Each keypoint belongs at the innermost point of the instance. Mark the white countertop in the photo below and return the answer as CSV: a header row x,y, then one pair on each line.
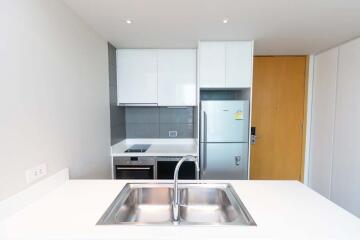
x,y
281,209
159,147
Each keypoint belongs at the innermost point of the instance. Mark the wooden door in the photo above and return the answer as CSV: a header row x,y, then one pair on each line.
x,y
278,115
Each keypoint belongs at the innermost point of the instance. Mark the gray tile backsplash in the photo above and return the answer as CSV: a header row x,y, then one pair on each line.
x,y
142,130
176,115
156,122
183,130
142,115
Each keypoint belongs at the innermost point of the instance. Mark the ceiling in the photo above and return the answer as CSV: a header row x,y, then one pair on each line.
x,y
279,27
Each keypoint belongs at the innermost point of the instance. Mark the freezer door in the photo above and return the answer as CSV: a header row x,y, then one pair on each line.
x,y
224,160
224,121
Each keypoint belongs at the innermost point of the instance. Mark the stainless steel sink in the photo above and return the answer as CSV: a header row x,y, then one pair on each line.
x,y
199,204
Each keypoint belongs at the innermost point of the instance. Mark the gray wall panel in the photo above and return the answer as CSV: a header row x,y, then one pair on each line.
x,y
117,114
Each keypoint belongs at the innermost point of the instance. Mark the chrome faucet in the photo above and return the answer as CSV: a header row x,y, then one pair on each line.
x,y
176,198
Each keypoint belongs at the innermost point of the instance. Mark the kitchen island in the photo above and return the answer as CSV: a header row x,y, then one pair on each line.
x,y
281,210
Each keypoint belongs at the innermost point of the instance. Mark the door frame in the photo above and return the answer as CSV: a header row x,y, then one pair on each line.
x,y
309,80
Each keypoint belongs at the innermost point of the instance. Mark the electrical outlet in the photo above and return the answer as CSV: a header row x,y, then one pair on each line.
x,y
35,173
173,134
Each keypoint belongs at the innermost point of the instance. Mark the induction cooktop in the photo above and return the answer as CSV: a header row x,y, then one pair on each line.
x,y
138,148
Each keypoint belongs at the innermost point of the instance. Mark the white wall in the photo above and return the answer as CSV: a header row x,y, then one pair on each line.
x,y
54,100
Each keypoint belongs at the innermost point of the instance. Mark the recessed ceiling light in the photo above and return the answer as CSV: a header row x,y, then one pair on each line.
x,y
225,20
128,21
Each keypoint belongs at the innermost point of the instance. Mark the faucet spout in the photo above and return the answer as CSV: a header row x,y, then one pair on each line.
x,y
176,198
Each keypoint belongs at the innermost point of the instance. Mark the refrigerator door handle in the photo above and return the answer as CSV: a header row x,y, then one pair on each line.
x,y
237,160
205,141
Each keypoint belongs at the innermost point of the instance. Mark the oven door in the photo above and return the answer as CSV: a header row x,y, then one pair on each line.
x,y
134,172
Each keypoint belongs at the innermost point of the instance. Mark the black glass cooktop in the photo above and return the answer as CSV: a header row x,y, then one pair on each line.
x,y
138,148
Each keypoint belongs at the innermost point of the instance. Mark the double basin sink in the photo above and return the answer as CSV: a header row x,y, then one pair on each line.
x,y
200,204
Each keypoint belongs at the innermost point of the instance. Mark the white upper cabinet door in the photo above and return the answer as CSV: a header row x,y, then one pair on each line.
x,y
137,76
212,64
226,64
177,77
239,64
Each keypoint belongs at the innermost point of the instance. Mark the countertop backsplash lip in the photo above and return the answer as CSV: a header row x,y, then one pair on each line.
x,y
24,198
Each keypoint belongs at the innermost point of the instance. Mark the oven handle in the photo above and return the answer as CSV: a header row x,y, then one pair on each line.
x,y
133,168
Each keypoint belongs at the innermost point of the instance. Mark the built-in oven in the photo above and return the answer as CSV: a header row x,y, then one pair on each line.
x,y
134,167
134,172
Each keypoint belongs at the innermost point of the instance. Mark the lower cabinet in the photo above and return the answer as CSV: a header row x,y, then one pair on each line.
x,y
151,167
165,170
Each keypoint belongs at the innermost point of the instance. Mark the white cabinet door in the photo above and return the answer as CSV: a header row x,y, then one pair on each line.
x,y
137,76
212,64
226,64
323,120
345,184
239,61
177,77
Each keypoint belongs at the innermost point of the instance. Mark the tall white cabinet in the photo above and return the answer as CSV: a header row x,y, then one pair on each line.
x,y
335,131
323,121
345,181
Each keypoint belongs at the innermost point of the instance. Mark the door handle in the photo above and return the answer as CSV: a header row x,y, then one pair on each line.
x,y
237,160
253,135
205,127
205,143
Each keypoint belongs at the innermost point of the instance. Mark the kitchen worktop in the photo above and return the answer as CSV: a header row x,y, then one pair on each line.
x,y
281,210
159,147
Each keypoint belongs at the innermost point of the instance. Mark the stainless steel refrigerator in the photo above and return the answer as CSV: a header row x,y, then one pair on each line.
x,y
224,139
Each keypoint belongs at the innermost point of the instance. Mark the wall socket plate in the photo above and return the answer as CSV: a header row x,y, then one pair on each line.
x,y
33,174
173,134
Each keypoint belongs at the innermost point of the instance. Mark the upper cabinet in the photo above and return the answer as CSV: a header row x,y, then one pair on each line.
x,y
225,64
165,77
239,61
177,77
212,67
137,76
